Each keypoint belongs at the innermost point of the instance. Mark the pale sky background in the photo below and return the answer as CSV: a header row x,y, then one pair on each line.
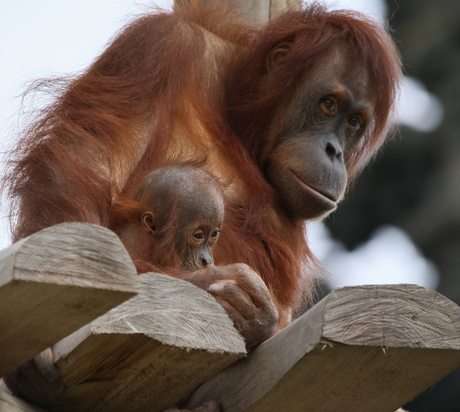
x,y
51,37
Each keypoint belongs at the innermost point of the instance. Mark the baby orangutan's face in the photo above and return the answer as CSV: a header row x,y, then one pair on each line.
x,y
197,252
185,213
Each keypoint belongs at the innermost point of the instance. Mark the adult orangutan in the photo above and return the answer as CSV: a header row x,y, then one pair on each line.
x,y
284,117
172,221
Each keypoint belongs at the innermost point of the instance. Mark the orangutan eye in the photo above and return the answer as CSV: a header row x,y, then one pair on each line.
x,y
198,235
354,122
215,234
328,106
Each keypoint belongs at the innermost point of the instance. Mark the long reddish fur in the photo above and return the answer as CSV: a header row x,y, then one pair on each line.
x,y
115,123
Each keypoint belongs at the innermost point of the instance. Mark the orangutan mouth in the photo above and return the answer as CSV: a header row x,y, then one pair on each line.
x,y
324,199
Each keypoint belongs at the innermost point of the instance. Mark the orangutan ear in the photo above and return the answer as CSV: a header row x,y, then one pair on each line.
x,y
148,223
276,55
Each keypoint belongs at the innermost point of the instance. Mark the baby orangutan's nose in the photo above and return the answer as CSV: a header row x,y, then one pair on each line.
x,y
206,259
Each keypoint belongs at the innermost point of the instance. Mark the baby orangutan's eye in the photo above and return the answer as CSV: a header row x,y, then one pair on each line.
x,y
215,234
198,235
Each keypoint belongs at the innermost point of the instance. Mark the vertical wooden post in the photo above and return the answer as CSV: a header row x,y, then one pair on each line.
x,y
256,12
278,6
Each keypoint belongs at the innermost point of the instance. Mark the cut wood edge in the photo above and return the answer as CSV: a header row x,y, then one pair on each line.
x,y
176,313
54,282
71,254
327,324
153,349
173,312
400,315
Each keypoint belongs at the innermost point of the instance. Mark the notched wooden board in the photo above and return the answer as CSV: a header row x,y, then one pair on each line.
x,y
361,348
54,282
147,353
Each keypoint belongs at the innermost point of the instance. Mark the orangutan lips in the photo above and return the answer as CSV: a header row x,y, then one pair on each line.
x,y
325,200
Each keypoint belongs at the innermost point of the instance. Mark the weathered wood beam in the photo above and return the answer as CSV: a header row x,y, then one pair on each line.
x,y
10,403
56,281
366,348
147,353
278,6
255,12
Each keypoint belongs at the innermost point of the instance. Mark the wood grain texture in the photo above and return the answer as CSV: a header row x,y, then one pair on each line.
x,y
278,6
9,403
361,348
147,353
392,316
54,282
255,12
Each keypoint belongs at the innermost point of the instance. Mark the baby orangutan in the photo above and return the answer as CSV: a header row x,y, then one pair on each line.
x,y
169,224
173,221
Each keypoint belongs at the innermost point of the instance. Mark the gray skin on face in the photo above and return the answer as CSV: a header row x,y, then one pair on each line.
x,y
199,207
325,122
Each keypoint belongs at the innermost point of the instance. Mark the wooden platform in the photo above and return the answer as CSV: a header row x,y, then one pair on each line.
x,y
367,348
56,281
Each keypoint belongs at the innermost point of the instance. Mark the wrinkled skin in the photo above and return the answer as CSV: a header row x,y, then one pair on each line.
x,y
324,123
245,297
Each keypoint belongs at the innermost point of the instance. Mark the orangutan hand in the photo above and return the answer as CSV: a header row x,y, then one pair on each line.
x,y
245,297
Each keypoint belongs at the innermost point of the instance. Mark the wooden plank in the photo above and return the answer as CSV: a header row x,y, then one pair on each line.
x,y
147,353
9,403
254,12
367,348
54,282
278,6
